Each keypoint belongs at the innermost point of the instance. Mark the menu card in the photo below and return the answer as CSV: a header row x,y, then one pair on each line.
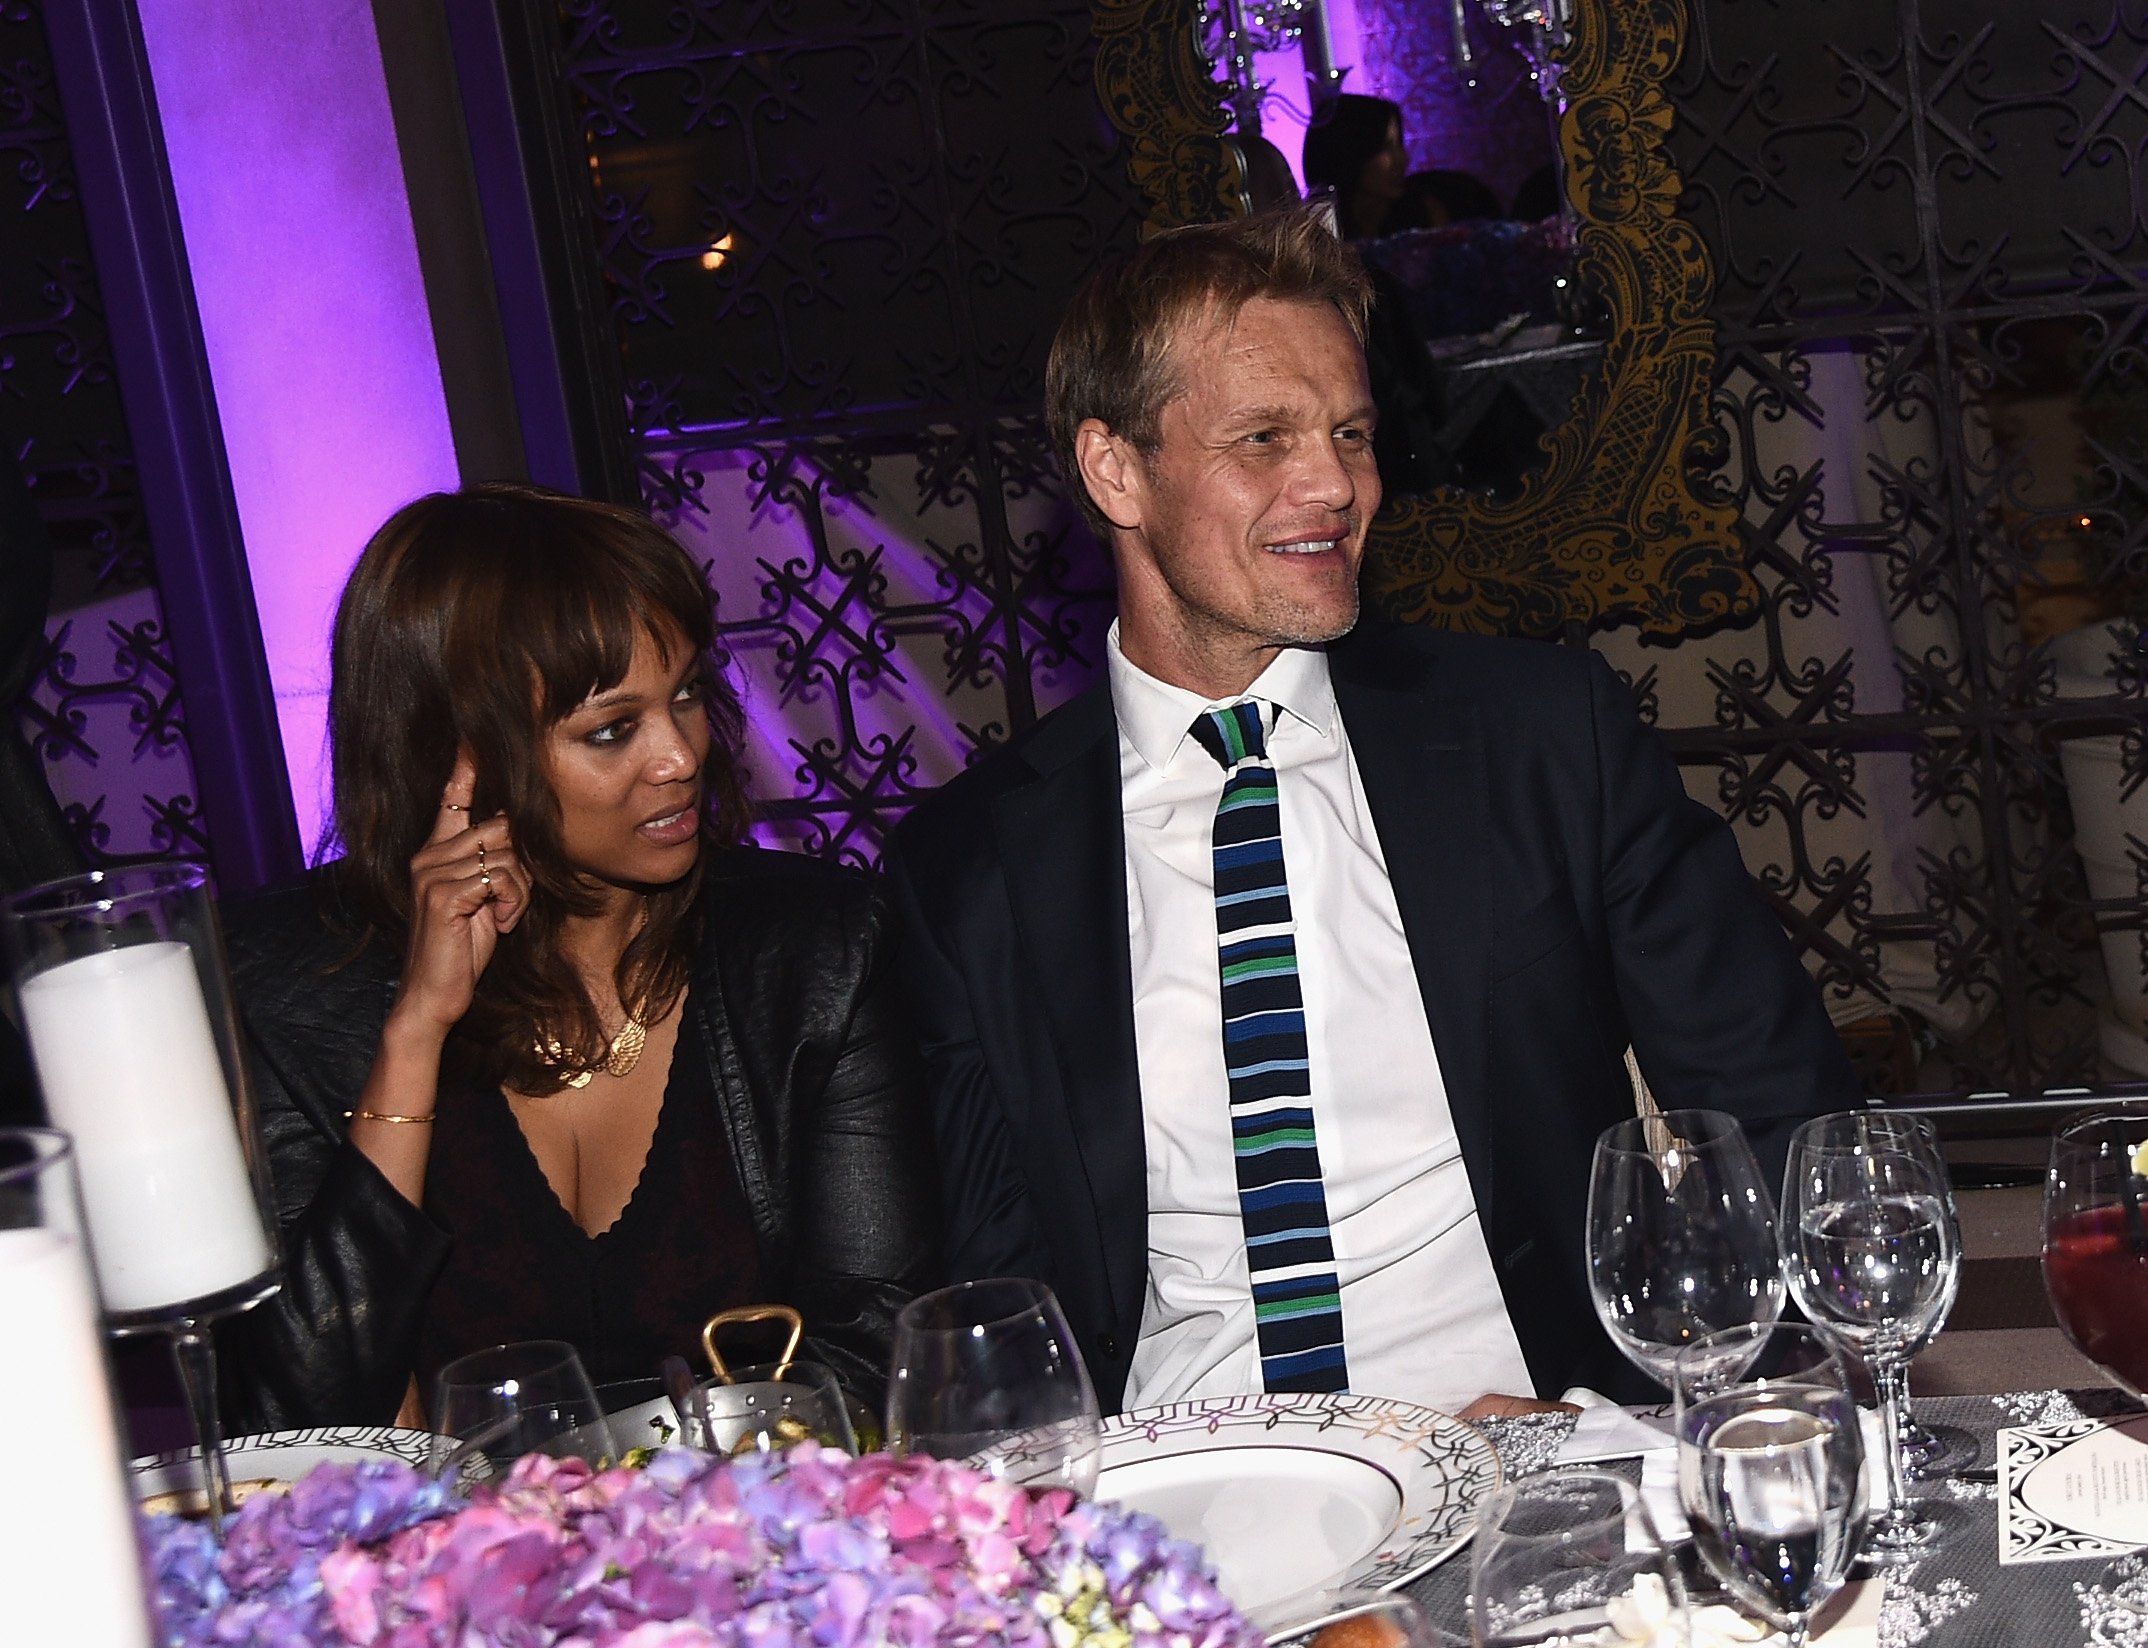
x,y
2078,1488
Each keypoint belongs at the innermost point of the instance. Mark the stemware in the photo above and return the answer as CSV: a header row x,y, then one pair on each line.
x,y
1770,1465
1565,1554
2095,1241
493,1406
1873,1250
1681,1235
126,1002
1932,1451
988,1372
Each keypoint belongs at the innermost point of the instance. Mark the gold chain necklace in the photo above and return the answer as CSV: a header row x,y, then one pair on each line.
x,y
620,1055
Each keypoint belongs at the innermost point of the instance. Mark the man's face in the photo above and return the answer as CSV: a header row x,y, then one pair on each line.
x,y
1242,533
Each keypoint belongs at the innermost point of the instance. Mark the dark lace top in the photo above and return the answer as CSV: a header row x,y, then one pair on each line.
x,y
521,1268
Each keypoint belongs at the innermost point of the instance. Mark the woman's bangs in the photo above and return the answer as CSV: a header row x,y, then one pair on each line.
x,y
600,599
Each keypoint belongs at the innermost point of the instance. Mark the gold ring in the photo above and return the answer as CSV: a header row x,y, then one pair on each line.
x,y
453,807
484,875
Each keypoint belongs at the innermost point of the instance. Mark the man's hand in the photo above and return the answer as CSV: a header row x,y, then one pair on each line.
x,y
1494,1405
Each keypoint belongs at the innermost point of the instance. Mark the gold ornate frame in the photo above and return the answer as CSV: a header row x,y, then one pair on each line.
x,y
1610,528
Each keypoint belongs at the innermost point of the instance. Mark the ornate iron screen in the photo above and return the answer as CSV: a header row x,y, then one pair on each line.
x,y
836,238
1927,227
105,715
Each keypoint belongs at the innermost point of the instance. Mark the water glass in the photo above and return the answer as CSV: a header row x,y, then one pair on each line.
x,y
493,1406
988,1372
1873,1250
1566,1554
1770,1467
1681,1235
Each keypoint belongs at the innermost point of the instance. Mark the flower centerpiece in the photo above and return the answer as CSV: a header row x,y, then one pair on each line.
x,y
807,1547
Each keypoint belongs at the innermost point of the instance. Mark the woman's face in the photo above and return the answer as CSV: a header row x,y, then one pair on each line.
x,y
626,767
1384,173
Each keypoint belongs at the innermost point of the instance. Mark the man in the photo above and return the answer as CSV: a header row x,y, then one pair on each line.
x,y
1274,992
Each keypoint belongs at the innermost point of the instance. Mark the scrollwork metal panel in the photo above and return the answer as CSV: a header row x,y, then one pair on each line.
x,y
105,714
837,237
1932,422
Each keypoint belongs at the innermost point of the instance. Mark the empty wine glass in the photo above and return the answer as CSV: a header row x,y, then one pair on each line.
x,y
1565,1554
1872,1249
2096,1264
1770,1468
1681,1235
988,1372
493,1406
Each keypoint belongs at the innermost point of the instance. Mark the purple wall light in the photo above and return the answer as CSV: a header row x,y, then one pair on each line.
x,y
297,224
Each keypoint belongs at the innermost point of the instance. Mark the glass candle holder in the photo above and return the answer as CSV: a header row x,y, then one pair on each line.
x,y
127,1005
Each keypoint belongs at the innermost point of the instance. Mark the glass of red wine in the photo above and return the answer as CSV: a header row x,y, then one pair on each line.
x,y
2096,1258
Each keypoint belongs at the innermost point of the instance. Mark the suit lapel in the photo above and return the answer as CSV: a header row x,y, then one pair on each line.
x,y
1062,839
1421,756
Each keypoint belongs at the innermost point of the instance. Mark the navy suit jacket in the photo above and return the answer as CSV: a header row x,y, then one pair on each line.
x,y
1562,898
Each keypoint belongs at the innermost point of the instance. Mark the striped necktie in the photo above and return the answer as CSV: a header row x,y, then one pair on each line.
x,y
1297,1297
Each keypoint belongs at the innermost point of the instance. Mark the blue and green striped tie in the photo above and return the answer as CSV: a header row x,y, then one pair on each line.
x,y
1297,1297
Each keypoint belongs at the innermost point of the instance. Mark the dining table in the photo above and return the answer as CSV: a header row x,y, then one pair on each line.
x,y
1955,1596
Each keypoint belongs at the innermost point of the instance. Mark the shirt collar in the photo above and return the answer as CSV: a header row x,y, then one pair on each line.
x,y
1155,716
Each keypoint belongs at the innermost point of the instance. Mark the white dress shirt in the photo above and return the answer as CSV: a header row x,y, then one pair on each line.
x,y
1422,1313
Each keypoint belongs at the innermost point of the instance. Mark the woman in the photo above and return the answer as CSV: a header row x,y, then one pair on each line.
x,y
545,1053
1355,148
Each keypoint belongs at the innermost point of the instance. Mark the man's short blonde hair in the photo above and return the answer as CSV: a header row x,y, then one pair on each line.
x,y
1112,357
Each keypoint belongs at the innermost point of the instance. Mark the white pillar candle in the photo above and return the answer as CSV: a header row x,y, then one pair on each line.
x,y
67,1542
129,1067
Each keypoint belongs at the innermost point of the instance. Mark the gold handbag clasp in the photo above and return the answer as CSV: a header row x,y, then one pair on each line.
x,y
741,1314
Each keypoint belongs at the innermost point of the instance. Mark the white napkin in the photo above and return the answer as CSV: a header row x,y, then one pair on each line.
x,y
1849,1620
1612,1433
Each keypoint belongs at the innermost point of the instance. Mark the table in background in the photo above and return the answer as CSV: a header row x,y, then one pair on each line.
x,y
1956,1597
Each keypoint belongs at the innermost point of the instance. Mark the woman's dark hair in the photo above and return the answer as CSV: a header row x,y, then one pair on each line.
x,y
475,620
1342,138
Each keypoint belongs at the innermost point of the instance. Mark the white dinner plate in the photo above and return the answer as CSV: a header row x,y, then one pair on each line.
x,y
1295,1495
280,1456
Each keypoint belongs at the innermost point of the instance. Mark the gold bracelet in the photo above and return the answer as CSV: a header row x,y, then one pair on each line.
x,y
384,1116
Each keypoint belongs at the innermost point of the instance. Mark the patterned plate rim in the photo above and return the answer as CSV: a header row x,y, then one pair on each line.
x,y
411,1446
1433,1447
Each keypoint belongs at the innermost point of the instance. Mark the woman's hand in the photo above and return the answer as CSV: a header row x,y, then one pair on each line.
x,y
466,888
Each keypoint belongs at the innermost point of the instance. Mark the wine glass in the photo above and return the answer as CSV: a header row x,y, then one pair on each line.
x,y
493,1406
988,1372
1931,1452
1565,1554
1872,1249
2096,1261
1770,1467
768,1407
1681,1235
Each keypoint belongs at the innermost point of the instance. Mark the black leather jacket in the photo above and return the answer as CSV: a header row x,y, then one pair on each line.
x,y
790,1003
